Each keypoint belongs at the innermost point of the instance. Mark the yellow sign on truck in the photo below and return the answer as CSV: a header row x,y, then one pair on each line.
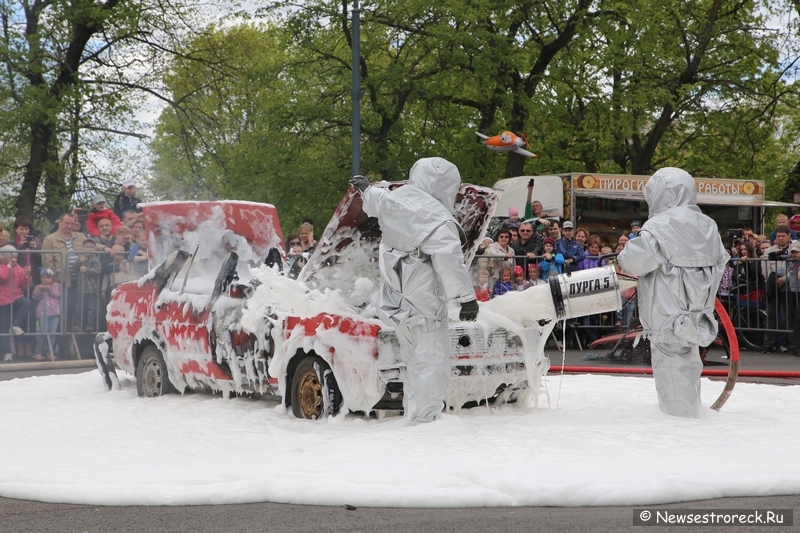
x,y
606,204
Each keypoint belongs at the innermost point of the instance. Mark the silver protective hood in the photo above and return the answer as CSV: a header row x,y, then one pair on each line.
x,y
686,236
438,177
670,187
408,215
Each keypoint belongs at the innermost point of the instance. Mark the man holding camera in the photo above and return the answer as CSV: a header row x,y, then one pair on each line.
x,y
775,274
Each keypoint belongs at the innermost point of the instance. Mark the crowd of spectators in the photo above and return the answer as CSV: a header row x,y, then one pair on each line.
x,y
524,252
300,246
55,287
763,274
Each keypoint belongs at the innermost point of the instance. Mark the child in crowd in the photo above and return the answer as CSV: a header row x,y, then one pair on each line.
x,y
483,291
123,237
534,276
551,263
137,258
89,270
504,285
48,310
519,279
98,212
636,226
513,220
606,250
121,259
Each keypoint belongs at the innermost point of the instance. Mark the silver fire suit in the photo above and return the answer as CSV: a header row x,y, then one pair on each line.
x,y
422,266
679,258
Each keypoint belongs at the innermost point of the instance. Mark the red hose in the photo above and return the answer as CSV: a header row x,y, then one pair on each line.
x,y
714,372
729,339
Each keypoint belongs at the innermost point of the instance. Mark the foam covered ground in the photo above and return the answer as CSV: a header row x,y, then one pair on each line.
x,y
64,439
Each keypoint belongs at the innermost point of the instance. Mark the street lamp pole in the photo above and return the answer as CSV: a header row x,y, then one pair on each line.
x,y
355,91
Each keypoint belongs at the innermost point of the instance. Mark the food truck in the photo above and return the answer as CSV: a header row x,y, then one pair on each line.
x,y
606,204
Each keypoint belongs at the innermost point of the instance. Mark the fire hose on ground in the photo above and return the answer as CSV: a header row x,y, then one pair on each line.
x,y
733,372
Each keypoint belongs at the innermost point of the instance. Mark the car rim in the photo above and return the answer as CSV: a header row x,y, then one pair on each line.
x,y
152,379
310,395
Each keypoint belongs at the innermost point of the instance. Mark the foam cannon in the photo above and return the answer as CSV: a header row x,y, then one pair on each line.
x,y
582,293
531,314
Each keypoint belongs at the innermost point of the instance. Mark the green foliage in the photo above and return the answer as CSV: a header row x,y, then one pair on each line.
x,y
73,76
621,86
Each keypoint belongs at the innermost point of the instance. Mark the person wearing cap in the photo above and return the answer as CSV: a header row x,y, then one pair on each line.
x,y
570,249
679,258
552,262
513,220
99,211
534,275
793,284
636,227
126,199
519,279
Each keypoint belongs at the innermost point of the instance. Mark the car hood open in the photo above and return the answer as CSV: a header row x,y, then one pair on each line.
x,y
346,256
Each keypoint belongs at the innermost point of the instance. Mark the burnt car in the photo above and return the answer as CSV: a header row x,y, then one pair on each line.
x,y
213,316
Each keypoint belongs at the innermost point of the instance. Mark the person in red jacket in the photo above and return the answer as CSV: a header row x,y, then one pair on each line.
x,y
99,210
14,306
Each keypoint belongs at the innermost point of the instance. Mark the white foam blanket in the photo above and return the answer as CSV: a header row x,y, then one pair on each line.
x,y
602,441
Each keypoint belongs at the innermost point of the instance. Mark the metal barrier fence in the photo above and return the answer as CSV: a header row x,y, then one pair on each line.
x,y
762,309
581,331
762,297
79,294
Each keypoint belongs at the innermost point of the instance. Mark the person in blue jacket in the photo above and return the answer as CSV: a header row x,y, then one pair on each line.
x,y
570,249
551,262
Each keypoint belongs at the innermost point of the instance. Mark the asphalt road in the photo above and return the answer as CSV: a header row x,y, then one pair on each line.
x,y
31,516
27,516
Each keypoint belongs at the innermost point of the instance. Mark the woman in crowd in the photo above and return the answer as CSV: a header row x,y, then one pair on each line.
x,y
25,241
14,306
593,246
500,247
726,284
307,242
138,225
581,237
747,276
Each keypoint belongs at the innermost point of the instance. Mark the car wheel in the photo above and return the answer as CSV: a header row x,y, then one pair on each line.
x,y
151,374
315,393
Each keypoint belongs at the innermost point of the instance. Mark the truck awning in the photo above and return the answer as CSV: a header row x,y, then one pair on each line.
x,y
749,201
